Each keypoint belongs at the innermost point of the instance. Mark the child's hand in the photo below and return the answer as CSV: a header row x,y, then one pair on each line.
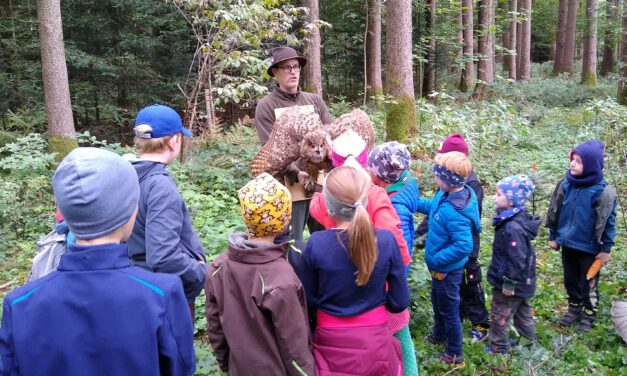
x,y
553,244
507,292
604,257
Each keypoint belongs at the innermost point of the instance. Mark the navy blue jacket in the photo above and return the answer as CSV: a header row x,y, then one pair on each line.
x,y
163,239
328,276
513,256
452,220
577,219
97,315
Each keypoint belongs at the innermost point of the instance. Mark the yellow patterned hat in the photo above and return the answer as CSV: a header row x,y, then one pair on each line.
x,y
266,206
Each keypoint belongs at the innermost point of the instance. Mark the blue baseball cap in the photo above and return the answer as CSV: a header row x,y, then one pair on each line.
x,y
163,120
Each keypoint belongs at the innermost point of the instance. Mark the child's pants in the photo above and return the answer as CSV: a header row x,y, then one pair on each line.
x,y
447,324
580,291
504,308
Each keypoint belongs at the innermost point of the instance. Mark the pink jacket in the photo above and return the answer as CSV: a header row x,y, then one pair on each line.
x,y
380,209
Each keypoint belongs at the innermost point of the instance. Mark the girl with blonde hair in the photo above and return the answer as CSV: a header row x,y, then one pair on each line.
x,y
345,272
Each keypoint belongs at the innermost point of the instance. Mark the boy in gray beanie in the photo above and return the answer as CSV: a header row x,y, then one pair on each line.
x,y
96,305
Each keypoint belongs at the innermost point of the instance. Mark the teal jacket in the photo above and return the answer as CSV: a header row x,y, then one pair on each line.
x,y
452,220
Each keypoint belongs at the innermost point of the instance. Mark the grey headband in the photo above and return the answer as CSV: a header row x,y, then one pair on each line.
x,y
337,208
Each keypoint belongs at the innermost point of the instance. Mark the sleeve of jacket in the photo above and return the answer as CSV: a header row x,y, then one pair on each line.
x,y
215,332
323,111
460,244
609,232
404,215
8,366
176,337
398,291
291,328
424,205
517,253
164,251
309,275
384,216
478,189
553,214
264,120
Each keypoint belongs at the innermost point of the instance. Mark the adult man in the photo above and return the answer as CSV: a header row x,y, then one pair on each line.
x,y
285,66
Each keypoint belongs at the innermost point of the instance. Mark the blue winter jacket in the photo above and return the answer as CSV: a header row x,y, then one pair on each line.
x,y
163,239
97,315
577,219
404,196
452,219
513,257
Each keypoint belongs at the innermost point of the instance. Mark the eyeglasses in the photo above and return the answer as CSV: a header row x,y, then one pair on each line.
x,y
288,69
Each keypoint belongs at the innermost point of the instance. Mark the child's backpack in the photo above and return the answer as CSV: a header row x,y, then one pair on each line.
x,y
49,251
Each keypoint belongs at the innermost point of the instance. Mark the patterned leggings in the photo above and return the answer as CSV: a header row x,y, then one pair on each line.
x,y
410,366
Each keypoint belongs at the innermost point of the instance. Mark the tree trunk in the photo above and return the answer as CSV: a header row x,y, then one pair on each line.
x,y
589,65
607,65
568,60
560,37
509,60
468,72
429,83
312,72
459,42
374,83
401,112
485,66
61,138
524,52
622,75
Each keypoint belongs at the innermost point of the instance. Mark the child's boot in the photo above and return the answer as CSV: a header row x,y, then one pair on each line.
x,y
587,320
572,316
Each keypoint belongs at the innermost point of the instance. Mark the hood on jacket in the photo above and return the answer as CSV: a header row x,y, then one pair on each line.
x,y
461,202
244,250
591,153
529,223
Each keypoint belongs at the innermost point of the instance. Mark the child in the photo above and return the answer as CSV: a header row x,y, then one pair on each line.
x,y
97,314
163,239
453,216
472,298
256,308
512,271
581,221
387,165
345,272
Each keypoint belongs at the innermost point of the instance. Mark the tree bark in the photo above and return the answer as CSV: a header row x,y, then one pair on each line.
x,y
524,51
622,76
509,60
560,37
459,42
568,60
485,65
589,65
468,72
401,112
607,65
312,72
61,138
429,82
374,83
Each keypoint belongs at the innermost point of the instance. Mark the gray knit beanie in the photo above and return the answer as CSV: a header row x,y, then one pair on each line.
x,y
96,191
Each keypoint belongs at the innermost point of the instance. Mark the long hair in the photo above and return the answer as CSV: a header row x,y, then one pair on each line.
x,y
348,185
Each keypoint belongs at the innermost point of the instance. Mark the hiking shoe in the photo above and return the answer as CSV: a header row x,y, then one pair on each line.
x,y
586,323
452,360
488,349
478,333
434,341
572,316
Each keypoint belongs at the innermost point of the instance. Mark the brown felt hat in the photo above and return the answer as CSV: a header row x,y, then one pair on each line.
x,y
283,53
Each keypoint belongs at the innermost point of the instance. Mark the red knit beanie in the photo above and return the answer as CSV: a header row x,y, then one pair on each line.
x,y
454,142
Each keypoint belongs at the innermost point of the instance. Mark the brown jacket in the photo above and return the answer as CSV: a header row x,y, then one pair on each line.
x,y
264,113
256,311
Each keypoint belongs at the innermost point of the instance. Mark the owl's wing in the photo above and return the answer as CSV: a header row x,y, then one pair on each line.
x,y
358,121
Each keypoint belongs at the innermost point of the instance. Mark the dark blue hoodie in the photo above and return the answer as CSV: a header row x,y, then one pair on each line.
x,y
577,224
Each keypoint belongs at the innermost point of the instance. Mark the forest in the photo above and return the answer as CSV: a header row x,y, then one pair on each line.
x,y
523,81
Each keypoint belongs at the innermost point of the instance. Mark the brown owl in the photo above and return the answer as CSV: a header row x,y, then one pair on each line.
x,y
356,120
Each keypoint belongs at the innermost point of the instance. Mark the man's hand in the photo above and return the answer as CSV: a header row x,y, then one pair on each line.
x,y
553,244
302,177
604,257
